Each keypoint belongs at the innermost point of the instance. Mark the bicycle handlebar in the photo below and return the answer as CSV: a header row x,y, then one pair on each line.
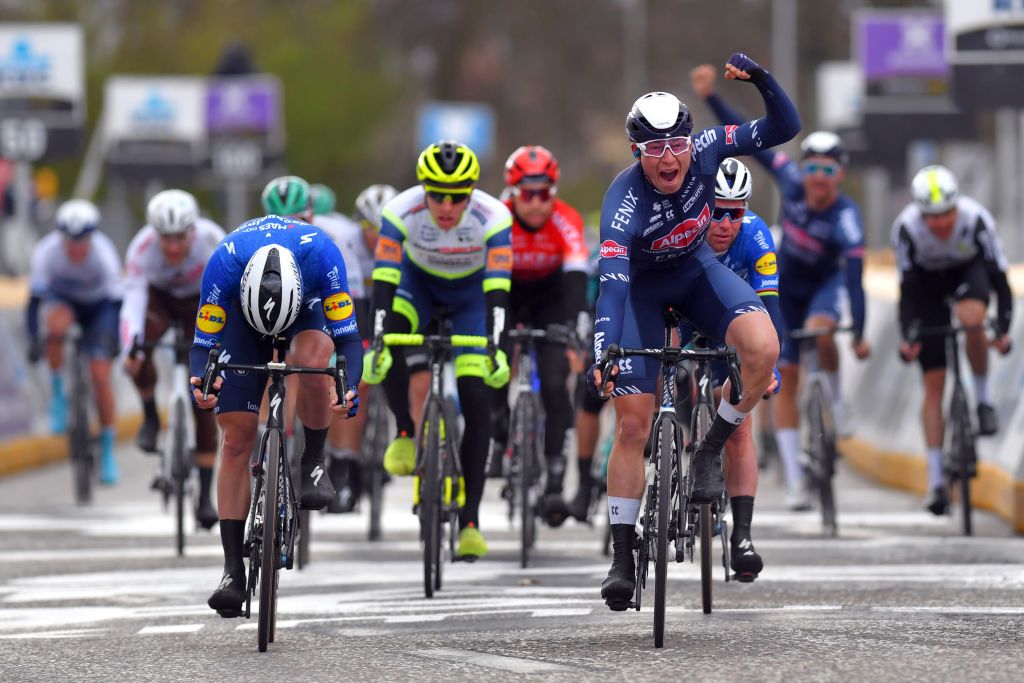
x,y
672,355
338,372
455,340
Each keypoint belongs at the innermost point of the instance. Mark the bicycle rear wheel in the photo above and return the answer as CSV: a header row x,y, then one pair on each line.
x,y
268,545
963,453
822,454
706,576
664,453
430,499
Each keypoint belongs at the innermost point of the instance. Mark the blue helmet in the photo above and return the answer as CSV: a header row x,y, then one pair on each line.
x,y
657,116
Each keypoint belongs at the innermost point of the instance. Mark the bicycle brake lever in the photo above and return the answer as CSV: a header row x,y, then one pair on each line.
x,y
209,375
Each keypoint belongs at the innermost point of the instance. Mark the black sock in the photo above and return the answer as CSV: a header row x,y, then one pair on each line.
x,y
720,431
313,450
742,515
232,533
585,468
149,408
205,479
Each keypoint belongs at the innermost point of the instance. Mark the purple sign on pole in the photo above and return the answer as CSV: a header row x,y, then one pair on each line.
x,y
895,44
242,105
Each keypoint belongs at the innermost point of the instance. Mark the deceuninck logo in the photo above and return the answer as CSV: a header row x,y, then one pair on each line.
x,y
23,66
211,319
338,306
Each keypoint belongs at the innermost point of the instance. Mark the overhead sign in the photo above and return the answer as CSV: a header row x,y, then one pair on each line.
x,y
472,124
902,52
243,104
985,47
42,89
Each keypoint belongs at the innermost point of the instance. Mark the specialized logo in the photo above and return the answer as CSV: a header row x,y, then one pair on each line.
x,y
307,239
211,319
766,265
275,403
730,135
338,306
316,474
499,258
612,249
685,233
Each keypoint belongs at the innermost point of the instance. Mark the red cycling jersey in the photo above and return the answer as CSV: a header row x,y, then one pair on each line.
x,y
557,245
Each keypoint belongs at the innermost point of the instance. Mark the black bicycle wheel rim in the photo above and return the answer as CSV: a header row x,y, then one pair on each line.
x,y
180,472
523,454
267,545
664,454
821,455
378,423
79,442
705,557
430,496
963,443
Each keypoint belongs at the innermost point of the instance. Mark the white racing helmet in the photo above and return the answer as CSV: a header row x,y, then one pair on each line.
x,y
77,218
172,212
370,203
935,189
733,180
271,292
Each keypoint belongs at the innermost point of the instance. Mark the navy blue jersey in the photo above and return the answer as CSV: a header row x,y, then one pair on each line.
x,y
321,266
643,229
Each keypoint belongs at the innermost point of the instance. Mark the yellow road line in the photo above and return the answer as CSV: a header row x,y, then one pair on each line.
x,y
30,452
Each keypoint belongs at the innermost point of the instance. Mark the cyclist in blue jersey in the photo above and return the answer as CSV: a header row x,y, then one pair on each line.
x,y
444,243
821,254
654,224
742,241
270,277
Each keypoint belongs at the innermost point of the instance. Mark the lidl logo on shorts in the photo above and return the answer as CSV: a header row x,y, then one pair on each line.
x,y
338,306
211,319
766,264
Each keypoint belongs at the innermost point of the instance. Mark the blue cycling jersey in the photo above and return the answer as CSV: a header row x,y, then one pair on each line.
x,y
643,229
324,284
816,244
752,257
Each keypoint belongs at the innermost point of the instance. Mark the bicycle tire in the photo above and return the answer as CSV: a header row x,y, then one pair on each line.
x,y
430,498
268,549
377,426
706,577
662,485
821,453
79,440
179,472
963,445
523,453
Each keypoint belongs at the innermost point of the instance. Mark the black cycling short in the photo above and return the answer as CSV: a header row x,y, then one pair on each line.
x,y
923,298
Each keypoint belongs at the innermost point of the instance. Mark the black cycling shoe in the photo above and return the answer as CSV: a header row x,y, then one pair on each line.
x,y
745,561
317,490
708,481
496,463
228,598
938,501
553,510
146,440
347,477
579,506
206,514
618,589
988,420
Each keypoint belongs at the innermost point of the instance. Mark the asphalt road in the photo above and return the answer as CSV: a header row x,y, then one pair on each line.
x,y
97,594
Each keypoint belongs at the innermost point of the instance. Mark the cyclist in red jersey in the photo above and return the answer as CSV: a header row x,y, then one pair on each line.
x,y
549,286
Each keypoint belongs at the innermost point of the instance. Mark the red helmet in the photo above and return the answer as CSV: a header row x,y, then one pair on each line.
x,y
531,162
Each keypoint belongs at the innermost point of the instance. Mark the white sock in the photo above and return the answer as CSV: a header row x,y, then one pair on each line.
x,y
789,451
981,389
730,413
623,510
935,475
834,387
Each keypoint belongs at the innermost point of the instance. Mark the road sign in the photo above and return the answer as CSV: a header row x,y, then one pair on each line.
x,y
467,122
985,41
243,104
42,84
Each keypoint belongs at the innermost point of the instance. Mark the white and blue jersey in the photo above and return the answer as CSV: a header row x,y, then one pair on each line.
x,y
752,256
653,245
326,302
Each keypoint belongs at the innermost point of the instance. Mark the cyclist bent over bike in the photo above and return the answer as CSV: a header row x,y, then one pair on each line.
x,y
163,272
444,243
654,224
272,276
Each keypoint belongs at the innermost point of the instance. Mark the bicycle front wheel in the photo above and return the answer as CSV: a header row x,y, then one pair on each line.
x,y
665,452
525,455
963,454
430,499
706,522
376,441
268,549
82,459
821,441
180,470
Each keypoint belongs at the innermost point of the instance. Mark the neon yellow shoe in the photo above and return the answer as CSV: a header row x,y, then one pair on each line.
x,y
472,545
400,457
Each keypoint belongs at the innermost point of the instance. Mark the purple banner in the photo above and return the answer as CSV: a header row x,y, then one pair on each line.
x,y
892,44
242,105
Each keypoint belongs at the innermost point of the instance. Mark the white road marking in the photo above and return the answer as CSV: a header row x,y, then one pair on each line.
x,y
169,628
561,612
514,664
43,635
